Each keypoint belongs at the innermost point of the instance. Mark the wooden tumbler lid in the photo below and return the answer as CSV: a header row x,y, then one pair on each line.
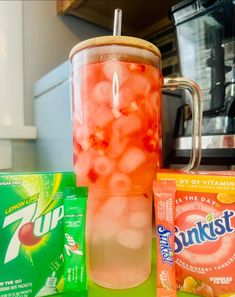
x,y
115,40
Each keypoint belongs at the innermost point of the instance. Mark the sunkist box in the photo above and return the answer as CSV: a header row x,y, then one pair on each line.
x,y
204,231
31,233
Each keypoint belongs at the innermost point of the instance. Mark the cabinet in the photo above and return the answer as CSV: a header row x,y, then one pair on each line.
x,y
147,19
140,18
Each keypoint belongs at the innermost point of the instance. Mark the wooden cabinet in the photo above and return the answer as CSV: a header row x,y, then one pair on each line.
x,y
141,18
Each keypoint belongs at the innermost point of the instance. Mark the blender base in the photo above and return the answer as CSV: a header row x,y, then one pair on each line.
x,y
218,150
223,142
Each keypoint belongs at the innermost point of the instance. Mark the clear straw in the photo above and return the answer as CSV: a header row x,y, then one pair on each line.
x,y
117,26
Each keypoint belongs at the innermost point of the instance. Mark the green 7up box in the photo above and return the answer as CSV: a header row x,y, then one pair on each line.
x,y
32,233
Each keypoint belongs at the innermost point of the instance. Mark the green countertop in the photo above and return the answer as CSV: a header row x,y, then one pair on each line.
x,y
147,289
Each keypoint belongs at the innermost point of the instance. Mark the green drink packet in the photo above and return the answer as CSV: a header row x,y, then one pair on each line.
x,y
75,200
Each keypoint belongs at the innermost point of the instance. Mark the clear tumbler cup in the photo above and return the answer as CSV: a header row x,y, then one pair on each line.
x,y
116,89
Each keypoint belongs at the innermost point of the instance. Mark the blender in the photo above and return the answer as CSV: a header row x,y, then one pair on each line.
x,y
206,48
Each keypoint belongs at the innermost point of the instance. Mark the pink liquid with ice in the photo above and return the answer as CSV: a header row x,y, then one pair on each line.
x,y
117,149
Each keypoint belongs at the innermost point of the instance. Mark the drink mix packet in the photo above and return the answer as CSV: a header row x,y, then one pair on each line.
x,y
75,202
204,231
164,204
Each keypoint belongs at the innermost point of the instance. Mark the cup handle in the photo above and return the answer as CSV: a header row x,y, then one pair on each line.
x,y
187,84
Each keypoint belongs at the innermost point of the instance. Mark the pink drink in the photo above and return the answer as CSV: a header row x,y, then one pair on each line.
x,y
117,149
117,126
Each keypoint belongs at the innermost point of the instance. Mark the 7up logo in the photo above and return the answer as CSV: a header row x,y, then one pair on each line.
x,y
30,229
71,246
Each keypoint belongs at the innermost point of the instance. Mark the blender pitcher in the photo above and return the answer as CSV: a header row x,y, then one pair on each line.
x,y
116,89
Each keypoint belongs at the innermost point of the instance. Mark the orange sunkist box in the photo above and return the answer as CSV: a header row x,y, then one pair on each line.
x,y
204,231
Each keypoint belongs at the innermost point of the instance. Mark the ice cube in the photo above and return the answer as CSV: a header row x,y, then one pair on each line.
x,y
140,203
144,176
89,108
131,238
103,116
81,134
127,125
81,179
114,207
132,158
106,227
130,108
114,67
94,202
156,77
117,145
119,183
151,105
126,96
139,83
82,165
103,166
117,114
139,219
102,92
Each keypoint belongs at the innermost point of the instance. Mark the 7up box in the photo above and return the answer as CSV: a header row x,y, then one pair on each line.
x,y
31,233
